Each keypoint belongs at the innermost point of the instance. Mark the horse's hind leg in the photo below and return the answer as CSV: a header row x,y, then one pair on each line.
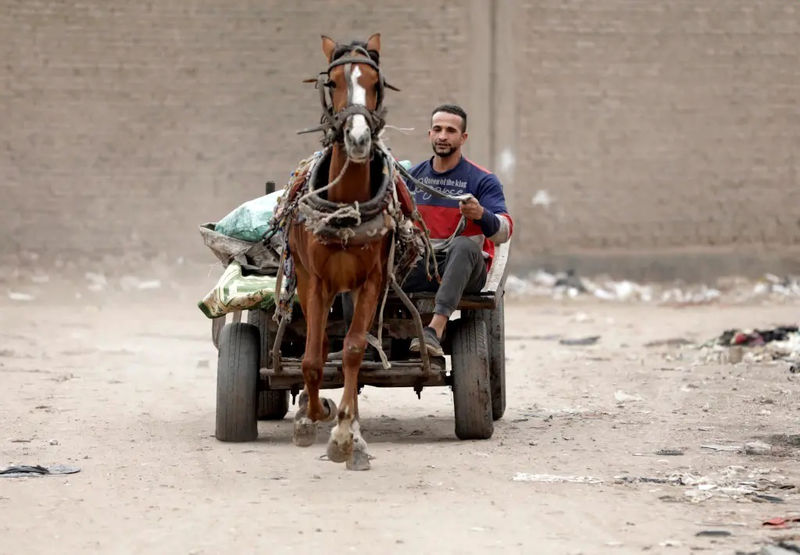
x,y
346,442
312,408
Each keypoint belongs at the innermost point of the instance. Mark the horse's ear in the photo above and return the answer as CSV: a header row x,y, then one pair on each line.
x,y
374,43
328,46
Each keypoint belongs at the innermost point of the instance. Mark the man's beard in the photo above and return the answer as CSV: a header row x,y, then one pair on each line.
x,y
443,153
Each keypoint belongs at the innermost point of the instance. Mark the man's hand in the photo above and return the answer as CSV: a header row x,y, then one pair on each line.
x,y
471,208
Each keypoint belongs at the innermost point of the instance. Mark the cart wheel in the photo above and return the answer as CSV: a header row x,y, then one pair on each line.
x,y
471,381
237,382
272,404
495,325
216,327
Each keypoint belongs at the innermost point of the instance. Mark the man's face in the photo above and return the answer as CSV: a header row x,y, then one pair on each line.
x,y
445,134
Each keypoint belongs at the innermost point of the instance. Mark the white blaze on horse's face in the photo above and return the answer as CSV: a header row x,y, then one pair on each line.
x,y
357,135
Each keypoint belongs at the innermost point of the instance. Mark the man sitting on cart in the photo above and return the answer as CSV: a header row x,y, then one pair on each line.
x,y
463,233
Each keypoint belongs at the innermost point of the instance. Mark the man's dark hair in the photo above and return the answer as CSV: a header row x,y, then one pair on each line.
x,y
453,109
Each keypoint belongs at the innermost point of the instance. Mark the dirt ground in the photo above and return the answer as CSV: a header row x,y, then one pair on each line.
x,y
123,386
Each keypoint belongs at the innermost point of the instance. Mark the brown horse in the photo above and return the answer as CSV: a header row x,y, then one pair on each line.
x,y
324,269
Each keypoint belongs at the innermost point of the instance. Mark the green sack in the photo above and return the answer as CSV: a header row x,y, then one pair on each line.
x,y
234,291
250,221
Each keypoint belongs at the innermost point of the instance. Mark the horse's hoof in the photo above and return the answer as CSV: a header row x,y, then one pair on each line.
x,y
339,452
359,459
329,406
305,431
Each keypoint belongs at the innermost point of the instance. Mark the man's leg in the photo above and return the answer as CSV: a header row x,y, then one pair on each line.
x,y
463,271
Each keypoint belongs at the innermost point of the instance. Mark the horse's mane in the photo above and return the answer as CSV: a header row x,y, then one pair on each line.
x,y
342,49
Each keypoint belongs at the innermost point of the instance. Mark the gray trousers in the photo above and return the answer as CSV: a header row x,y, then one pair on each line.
x,y
463,270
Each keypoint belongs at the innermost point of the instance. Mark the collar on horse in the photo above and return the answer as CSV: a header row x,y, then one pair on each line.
x,y
347,224
332,123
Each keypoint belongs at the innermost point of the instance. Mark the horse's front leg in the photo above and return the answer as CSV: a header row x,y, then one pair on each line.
x,y
346,442
316,304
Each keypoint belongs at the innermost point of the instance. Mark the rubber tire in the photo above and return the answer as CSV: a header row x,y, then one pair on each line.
x,y
472,396
495,325
237,383
273,404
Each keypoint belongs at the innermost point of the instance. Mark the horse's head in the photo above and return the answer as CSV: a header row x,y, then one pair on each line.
x,y
355,113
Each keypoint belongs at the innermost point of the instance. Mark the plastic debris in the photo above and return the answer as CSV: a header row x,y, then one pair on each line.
x,y
553,478
149,284
670,452
542,198
757,448
622,397
716,447
756,345
96,282
591,340
736,290
781,522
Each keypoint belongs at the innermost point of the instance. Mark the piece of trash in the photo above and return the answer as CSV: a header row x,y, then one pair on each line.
x,y
781,548
757,448
713,533
553,478
781,522
591,340
37,470
548,337
149,284
570,282
24,297
623,397
715,447
671,342
759,497
96,282
542,198
669,452
53,442
646,480
670,543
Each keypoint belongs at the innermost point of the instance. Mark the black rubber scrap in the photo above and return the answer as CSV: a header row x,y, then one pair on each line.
x,y
37,470
713,533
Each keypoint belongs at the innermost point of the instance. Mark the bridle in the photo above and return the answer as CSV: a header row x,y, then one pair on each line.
x,y
332,123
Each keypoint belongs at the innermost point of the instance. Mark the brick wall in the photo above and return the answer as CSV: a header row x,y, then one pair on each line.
x,y
657,126
128,123
652,125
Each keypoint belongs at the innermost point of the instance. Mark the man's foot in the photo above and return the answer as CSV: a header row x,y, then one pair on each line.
x,y
432,344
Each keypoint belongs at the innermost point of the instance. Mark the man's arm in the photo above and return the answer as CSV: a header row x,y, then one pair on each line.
x,y
489,210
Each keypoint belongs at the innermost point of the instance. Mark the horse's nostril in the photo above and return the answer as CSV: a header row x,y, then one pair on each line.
x,y
360,140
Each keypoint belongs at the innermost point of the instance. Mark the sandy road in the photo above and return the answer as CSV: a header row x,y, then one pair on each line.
x,y
125,390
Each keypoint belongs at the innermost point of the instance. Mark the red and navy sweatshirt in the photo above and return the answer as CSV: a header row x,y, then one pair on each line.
x,y
442,215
